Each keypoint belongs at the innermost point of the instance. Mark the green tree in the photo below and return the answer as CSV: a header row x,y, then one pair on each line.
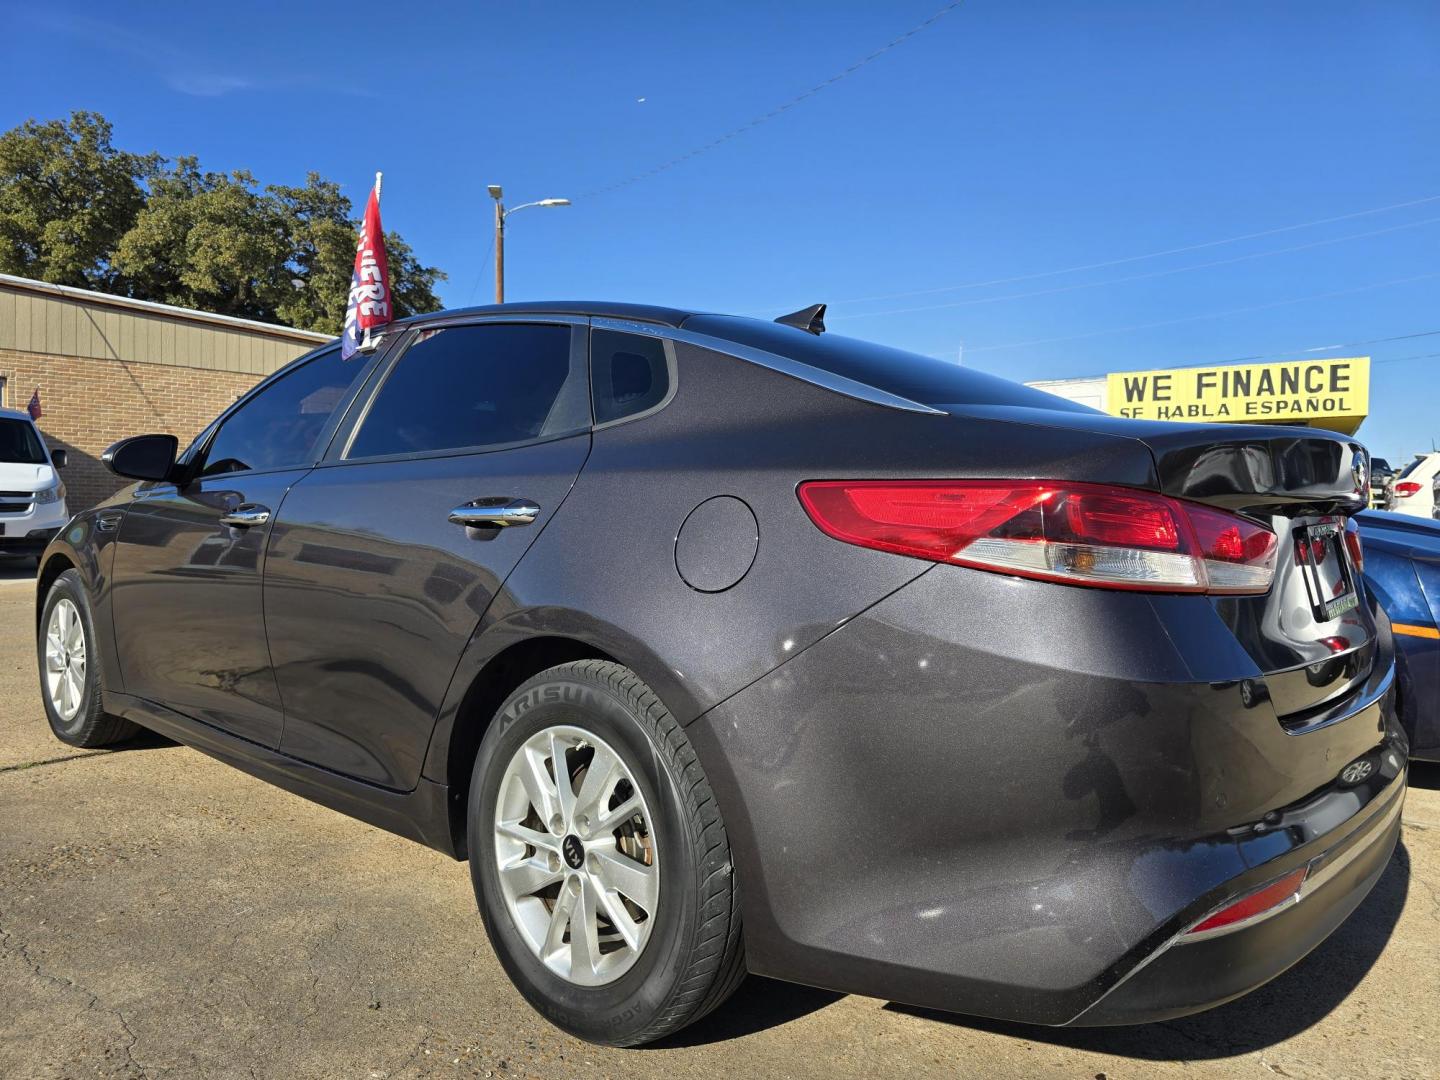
x,y
206,240
321,238
76,211
66,197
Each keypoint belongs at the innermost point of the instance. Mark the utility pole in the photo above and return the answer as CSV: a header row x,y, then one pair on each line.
x,y
496,193
501,214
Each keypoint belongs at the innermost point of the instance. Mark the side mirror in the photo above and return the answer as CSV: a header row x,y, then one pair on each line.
x,y
59,458
143,457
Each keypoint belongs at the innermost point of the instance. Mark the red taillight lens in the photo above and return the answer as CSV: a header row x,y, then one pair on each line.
x,y
1085,534
1406,488
1257,903
1352,544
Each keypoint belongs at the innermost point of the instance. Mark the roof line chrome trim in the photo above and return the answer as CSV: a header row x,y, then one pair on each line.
x,y
826,380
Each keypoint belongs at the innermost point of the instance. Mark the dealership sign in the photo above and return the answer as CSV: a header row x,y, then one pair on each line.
x,y
1324,393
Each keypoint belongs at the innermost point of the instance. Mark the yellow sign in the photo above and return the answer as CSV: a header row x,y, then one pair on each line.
x,y
1332,394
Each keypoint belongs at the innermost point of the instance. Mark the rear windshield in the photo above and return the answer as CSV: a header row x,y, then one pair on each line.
x,y
19,443
1413,465
925,379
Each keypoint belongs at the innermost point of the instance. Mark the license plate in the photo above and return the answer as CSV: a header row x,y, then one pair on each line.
x,y
1328,574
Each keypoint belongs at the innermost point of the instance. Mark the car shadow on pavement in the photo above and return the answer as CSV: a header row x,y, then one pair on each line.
x,y
1279,1010
1425,775
758,1005
12,569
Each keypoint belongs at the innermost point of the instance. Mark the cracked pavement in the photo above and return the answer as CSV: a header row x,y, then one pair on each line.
x,y
164,916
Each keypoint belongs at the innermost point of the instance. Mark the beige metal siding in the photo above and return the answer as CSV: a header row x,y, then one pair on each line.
x,y
94,326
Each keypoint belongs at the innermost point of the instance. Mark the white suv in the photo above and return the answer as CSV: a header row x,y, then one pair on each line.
x,y
32,496
1414,490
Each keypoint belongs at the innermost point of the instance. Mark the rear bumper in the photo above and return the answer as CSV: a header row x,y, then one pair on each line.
x,y
1007,798
1185,977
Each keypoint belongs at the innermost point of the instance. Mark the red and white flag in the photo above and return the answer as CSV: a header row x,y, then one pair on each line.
x,y
34,407
370,307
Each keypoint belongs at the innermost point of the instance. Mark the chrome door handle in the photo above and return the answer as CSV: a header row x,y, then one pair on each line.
x,y
246,515
495,513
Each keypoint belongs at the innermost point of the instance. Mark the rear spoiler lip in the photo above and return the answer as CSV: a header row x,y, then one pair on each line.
x,y
1251,468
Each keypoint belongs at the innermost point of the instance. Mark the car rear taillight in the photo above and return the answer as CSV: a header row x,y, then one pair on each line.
x,y
1352,544
1258,903
1406,488
1083,534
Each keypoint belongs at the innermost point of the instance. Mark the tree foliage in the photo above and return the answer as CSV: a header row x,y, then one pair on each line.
x,y
66,197
76,211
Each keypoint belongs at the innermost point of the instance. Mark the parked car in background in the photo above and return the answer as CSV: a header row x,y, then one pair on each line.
x,y
32,495
1413,491
1402,569
717,644
1382,475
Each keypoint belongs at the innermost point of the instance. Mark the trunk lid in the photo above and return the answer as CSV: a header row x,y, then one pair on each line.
x,y
1312,635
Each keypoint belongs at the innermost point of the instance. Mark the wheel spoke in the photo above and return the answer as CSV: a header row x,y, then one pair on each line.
x,y
619,916
584,935
528,876
565,788
526,835
54,657
600,778
75,637
538,787
73,685
612,819
631,879
559,920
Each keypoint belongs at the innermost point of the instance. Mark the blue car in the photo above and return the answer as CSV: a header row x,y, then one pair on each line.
x,y
1402,569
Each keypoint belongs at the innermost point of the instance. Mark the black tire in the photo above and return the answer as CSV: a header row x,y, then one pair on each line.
x,y
694,958
91,727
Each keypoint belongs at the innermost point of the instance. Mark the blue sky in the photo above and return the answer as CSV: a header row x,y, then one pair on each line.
x,y
1004,142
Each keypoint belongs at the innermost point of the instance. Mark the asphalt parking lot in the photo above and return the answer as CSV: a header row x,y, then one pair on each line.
x,y
162,915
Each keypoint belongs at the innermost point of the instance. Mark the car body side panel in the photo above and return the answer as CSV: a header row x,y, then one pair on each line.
x,y
1071,795
605,567
1402,568
87,542
371,594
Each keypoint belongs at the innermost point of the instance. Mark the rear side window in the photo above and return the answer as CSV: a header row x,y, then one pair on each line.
x,y
20,444
628,374
926,379
470,387
281,423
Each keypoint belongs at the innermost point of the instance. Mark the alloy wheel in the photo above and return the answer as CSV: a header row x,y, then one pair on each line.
x,y
65,659
577,855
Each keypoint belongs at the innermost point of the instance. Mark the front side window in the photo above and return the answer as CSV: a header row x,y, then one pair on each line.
x,y
470,387
280,425
20,444
628,374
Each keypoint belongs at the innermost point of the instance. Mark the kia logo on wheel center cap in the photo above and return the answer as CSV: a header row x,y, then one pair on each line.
x,y
573,851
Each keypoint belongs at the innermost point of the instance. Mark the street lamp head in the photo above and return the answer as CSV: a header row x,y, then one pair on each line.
x,y
554,202
494,190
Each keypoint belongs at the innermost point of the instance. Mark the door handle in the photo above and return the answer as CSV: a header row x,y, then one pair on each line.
x,y
495,513
246,515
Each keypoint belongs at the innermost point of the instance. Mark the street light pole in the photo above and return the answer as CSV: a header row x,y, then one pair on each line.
x,y
499,252
501,214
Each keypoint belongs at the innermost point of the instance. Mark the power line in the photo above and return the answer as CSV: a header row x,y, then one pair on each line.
x,y
1140,277
1139,258
1206,315
779,109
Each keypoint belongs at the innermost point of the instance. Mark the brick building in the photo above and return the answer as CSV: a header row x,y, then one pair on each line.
x,y
107,367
